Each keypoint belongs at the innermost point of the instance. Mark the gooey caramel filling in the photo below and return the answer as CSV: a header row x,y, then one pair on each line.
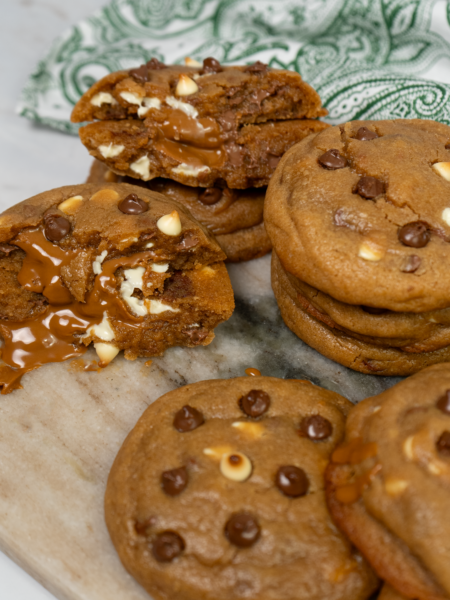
x,y
354,453
52,335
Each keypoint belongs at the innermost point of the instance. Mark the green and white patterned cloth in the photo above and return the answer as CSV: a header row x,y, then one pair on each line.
x,y
368,59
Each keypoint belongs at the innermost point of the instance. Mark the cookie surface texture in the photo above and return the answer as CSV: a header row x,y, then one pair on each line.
x,y
117,265
388,484
198,125
218,493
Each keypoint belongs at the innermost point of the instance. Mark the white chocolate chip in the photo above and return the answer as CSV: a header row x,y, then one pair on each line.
x,y
189,171
141,166
442,169
186,86
254,430
370,251
235,466
133,280
131,98
160,268
170,224
106,353
147,104
105,195
110,150
103,330
97,264
408,447
446,215
190,62
189,110
102,98
156,307
394,486
434,468
217,452
149,245
71,204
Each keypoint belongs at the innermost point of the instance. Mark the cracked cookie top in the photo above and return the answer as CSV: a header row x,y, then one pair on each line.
x,y
234,506
361,211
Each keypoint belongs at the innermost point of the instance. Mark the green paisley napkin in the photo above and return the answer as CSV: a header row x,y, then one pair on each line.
x,y
368,59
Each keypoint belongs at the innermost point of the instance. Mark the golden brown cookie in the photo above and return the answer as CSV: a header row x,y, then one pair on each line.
x,y
388,484
217,493
328,326
388,593
198,125
117,265
234,216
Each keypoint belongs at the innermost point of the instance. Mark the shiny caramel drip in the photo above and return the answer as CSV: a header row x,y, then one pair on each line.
x,y
252,372
52,335
354,453
194,142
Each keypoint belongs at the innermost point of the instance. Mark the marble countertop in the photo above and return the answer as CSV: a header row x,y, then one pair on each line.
x,y
32,158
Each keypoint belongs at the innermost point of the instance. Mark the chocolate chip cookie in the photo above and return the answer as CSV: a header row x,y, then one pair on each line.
x,y
234,506
117,265
359,222
199,125
388,484
234,216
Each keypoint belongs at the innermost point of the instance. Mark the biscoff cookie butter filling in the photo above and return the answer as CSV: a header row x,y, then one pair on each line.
x,y
73,275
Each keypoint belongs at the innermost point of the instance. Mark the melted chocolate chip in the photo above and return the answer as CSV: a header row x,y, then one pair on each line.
x,y
242,530
177,286
443,404
188,419
142,73
173,482
133,205
447,146
316,427
56,227
412,264
365,135
210,196
196,335
167,546
155,65
443,444
292,481
332,160
370,187
256,67
415,234
372,310
189,241
7,249
255,403
211,65
273,161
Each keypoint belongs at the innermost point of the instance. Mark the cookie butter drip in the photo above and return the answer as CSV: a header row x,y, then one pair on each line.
x,y
54,335
194,142
353,453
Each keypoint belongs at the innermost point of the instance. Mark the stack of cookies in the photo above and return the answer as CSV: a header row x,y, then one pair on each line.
x,y
359,219
208,136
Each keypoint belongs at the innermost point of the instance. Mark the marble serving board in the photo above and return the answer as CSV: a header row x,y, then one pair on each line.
x,y
60,433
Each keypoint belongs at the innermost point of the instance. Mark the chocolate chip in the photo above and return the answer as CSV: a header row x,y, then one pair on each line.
x,y
142,73
155,65
256,67
7,249
316,427
447,146
255,403
415,234
412,264
211,65
188,419
133,205
142,527
292,481
365,135
210,196
173,482
332,160
443,404
189,241
56,227
167,546
242,530
370,187
273,161
372,310
443,444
